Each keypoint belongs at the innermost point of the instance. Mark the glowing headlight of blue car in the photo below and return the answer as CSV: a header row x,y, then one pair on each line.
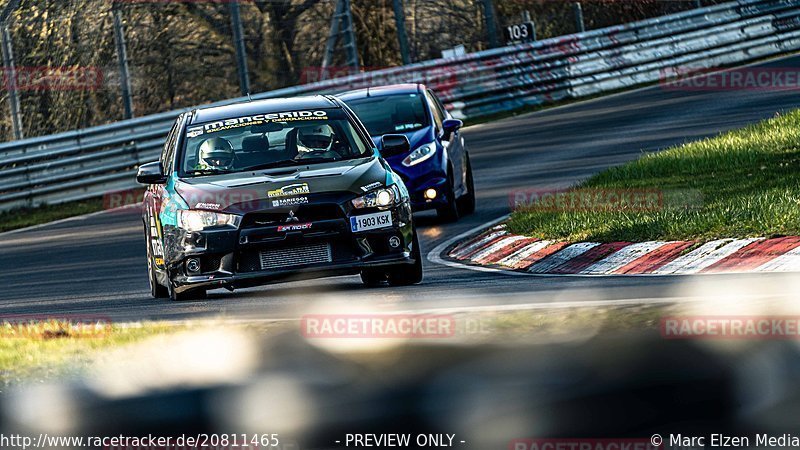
x,y
419,155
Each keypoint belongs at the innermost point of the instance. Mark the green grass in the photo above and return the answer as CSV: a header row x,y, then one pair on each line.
x,y
744,183
25,217
552,322
52,350
47,350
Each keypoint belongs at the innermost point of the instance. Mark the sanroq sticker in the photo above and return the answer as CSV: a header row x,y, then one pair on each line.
x,y
289,202
290,190
227,124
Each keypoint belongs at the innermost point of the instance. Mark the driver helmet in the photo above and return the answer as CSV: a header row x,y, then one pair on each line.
x,y
315,138
216,153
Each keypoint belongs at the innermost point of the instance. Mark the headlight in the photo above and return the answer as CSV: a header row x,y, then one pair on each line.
x,y
419,155
380,197
195,220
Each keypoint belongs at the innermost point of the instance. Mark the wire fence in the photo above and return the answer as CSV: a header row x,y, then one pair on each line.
x,y
182,52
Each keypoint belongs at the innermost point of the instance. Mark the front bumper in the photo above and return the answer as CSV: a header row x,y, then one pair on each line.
x,y
264,252
241,280
418,200
421,177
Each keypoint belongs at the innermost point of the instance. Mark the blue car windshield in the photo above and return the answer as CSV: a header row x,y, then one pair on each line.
x,y
389,114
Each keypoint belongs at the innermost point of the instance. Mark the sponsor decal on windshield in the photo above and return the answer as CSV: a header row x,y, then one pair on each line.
x,y
258,119
289,191
289,201
407,126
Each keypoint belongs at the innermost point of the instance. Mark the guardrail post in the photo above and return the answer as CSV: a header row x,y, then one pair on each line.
x,y
400,22
579,24
241,51
491,25
122,58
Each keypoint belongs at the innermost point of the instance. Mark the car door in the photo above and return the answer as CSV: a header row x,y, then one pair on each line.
x,y
153,199
453,146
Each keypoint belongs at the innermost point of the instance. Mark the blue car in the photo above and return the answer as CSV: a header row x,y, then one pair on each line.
x,y
435,166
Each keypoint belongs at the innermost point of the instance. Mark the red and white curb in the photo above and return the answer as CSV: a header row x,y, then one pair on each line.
x,y
496,248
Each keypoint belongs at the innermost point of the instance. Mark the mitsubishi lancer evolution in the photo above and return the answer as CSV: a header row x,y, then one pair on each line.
x,y
275,190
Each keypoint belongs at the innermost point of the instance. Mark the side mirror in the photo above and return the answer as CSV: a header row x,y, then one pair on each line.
x,y
450,126
150,173
394,144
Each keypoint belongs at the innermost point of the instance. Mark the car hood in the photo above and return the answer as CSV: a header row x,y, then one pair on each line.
x,y
247,191
415,138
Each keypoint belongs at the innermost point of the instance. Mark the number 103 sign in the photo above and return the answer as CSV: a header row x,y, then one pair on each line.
x,y
521,32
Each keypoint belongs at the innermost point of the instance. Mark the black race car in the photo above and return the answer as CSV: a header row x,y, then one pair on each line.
x,y
275,190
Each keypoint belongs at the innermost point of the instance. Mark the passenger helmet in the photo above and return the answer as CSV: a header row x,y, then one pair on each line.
x,y
314,138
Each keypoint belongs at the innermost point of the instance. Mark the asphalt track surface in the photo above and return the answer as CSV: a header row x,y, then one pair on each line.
x,y
95,265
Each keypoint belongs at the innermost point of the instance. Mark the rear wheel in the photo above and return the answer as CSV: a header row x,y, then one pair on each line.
x,y
449,212
467,201
405,274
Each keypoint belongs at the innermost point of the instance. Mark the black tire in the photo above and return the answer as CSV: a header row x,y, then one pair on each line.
x,y
449,212
404,274
467,201
373,277
157,290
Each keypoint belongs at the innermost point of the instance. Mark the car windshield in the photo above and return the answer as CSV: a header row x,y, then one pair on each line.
x,y
269,140
391,114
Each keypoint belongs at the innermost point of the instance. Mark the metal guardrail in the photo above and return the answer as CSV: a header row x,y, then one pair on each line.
x,y
87,163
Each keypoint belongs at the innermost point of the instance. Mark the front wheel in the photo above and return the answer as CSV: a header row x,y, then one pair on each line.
x,y
157,290
449,212
404,274
467,201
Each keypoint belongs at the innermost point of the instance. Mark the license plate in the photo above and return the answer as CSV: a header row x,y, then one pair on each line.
x,y
371,221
